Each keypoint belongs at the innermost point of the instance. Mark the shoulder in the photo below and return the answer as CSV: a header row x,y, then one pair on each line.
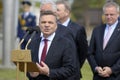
x,y
76,25
60,25
79,28
61,28
62,40
98,28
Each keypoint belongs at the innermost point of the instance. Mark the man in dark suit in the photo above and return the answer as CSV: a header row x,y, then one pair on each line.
x,y
104,50
25,20
60,60
78,32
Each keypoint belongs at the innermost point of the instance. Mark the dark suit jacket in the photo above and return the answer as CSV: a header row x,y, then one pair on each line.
x,y
110,56
79,36
60,58
65,32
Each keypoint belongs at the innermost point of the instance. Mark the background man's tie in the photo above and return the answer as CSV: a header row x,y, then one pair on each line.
x,y
107,37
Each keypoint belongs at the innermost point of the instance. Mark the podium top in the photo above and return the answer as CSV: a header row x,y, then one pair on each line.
x,y
21,56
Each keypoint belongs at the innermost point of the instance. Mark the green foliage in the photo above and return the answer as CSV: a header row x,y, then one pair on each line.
x,y
80,6
117,1
37,4
96,4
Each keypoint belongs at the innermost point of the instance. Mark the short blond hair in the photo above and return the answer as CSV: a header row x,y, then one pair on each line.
x,y
111,4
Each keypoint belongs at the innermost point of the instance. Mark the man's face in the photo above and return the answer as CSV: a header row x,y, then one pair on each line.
x,y
62,13
111,15
48,25
26,8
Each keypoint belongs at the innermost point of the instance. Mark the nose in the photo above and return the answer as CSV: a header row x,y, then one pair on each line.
x,y
109,16
47,24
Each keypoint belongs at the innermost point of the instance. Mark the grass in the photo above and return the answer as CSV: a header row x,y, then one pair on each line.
x,y
10,74
86,72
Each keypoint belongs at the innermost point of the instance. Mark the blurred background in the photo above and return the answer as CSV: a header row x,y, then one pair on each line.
x,y
85,12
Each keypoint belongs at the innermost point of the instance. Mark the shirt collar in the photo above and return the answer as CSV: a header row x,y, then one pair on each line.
x,y
25,14
113,26
50,38
66,22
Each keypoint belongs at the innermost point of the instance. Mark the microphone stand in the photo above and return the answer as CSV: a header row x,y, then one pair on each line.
x,y
23,39
30,40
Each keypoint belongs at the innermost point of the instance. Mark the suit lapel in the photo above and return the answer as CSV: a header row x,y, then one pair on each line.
x,y
51,49
36,48
102,36
69,24
114,34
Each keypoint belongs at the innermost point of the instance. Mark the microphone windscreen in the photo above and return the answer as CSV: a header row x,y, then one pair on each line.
x,y
32,29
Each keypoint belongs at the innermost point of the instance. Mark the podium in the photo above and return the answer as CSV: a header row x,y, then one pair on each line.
x,y
23,62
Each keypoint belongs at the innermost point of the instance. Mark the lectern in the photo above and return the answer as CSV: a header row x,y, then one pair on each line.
x,y
22,59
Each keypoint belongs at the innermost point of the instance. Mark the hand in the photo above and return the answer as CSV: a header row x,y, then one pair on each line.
x,y
99,69
108,71
104,72
34,74
43,69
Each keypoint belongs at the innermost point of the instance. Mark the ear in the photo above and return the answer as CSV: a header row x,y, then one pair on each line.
x,y
67,12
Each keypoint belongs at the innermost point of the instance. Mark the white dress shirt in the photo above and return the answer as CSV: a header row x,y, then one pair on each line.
x,y
50,39
112,28
66,22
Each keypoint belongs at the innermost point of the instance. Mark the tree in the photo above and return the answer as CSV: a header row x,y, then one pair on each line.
x,y
80,6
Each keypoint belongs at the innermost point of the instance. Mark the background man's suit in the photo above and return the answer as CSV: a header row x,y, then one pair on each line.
x,y
79,36
60,58
110,56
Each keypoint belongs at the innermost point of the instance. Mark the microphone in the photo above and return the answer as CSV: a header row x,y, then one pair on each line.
x,y
32,35
29,31
23,39
32,29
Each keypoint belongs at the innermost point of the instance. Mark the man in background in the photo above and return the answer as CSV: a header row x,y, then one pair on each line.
x,y
25,20
78,32
104,50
